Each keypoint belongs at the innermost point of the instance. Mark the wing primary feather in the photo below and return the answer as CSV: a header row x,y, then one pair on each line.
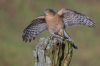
x,y
73,18
37,26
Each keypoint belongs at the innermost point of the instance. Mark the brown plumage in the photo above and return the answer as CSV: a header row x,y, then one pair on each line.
x,y
56,23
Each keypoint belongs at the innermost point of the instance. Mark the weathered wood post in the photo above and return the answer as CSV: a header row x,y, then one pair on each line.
x,y
56,52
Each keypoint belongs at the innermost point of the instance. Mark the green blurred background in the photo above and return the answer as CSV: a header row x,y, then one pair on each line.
x,y
15,15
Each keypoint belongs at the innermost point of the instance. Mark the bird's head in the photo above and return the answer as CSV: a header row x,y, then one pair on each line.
x,y
49,11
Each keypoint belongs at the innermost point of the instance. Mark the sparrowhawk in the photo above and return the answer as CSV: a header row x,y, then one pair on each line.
x,y
56,22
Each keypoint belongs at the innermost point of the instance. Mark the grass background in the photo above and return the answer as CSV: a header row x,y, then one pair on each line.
x,y
15,15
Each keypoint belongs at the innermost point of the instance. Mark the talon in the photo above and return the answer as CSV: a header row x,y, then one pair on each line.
x,y
51,37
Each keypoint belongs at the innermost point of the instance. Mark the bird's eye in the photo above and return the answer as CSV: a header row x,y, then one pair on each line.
x,y
47,11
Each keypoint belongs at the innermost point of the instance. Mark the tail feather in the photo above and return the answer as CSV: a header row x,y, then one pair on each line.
x,y
66,35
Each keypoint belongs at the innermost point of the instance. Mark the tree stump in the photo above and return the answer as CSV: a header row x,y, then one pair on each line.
x,y
56,52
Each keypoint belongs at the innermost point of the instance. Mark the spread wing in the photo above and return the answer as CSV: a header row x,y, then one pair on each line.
x,y
73,18
37,26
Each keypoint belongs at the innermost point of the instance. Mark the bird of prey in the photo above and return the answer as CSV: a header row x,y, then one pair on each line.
x,y
56,22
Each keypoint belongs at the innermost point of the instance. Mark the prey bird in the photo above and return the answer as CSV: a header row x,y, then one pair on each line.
x,y
56,22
